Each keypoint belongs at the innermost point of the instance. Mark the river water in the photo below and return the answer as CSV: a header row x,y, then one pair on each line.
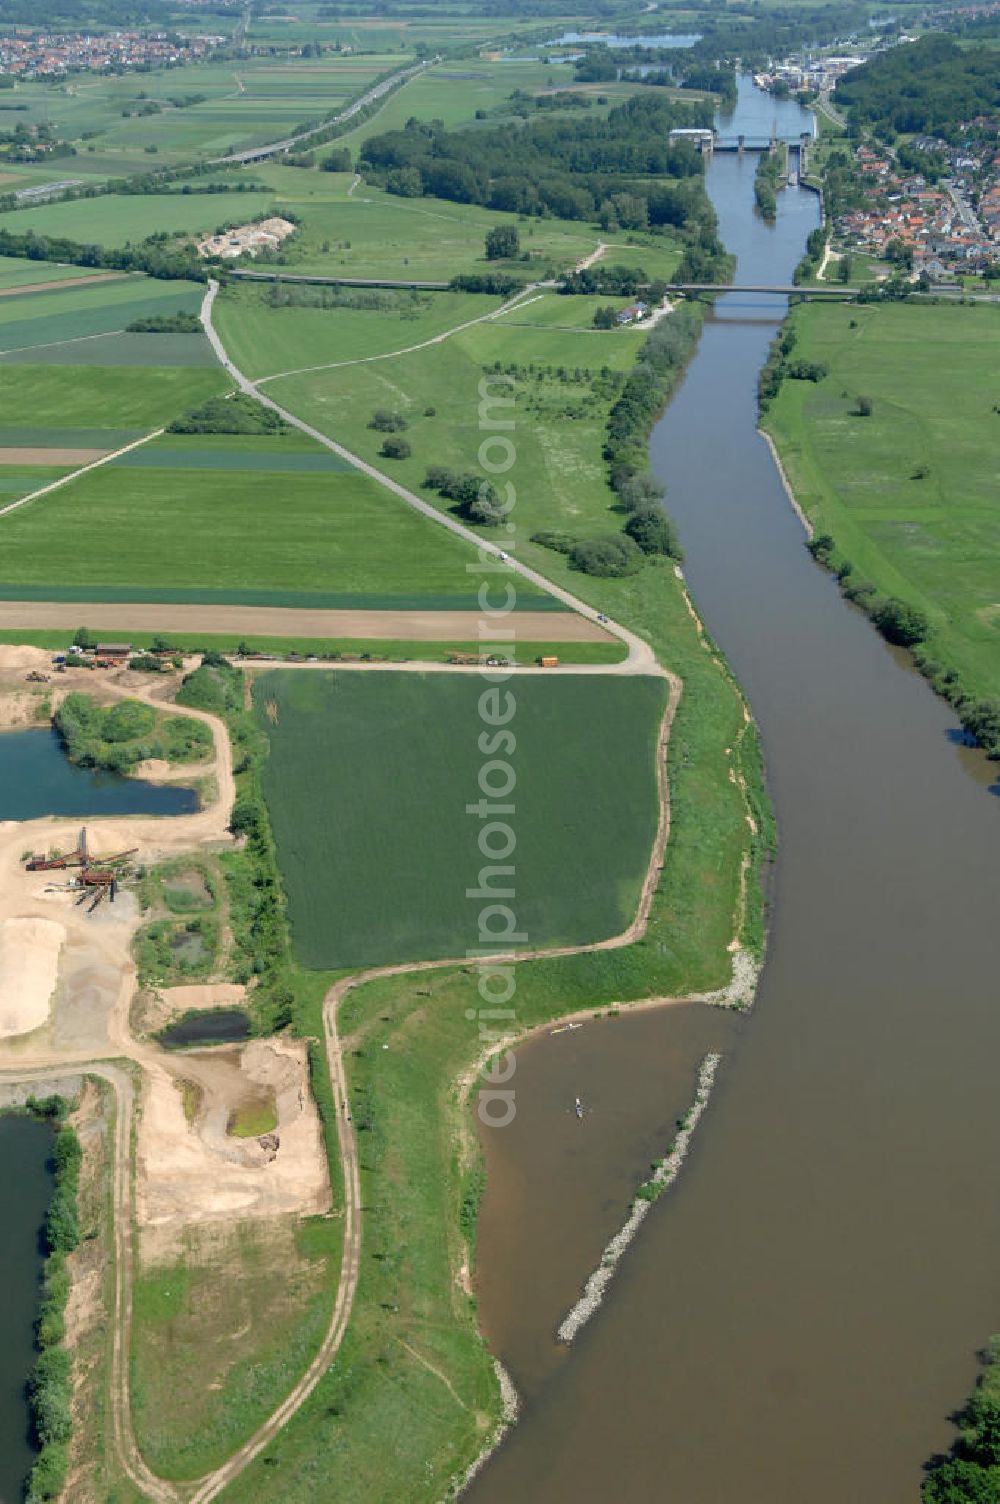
x,y
801,1313
25,1191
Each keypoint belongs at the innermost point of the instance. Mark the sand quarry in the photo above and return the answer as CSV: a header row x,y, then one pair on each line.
x,y
67,982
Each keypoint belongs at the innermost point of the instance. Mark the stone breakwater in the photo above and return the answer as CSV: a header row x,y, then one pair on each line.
x,y
664,1176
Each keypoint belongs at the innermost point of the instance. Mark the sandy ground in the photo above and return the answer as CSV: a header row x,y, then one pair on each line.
x,y
272,621
29,965
156,1009
38,456
17,655
13,292
198,1172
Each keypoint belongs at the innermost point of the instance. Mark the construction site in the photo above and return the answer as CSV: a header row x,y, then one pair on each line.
x,y
97,879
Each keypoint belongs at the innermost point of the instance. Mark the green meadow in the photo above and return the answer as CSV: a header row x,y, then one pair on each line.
x,y
910,492
367,784
51,399
263,339
116,219
559,475
376,234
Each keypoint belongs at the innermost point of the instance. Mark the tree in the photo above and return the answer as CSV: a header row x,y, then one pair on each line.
x,y
640,491
652,530
863,407
502,243
396,449
604,317
83,638
339,160
901,623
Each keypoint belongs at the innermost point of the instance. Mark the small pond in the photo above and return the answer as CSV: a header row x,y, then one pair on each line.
x,y
37,778
214,1026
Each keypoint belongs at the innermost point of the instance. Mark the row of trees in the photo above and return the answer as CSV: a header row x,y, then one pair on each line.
x,y
50,1387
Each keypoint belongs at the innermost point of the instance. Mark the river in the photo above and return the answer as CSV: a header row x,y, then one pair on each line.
x,y
25,1191
800,1315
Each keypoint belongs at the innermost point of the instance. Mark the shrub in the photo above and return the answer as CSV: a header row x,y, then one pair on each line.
x,y
863,407
387,422
396,449
901,623
652,530
562,542
240,415
610,557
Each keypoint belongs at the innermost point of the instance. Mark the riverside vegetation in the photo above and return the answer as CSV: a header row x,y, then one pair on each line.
x,y
885,430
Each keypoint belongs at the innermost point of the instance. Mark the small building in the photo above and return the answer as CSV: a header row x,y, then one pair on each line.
x,y
114,649
632,314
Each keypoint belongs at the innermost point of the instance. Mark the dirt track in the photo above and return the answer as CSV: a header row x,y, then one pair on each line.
x,y
275,621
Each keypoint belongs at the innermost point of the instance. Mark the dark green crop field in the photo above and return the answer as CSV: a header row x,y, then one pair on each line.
x,y
368,781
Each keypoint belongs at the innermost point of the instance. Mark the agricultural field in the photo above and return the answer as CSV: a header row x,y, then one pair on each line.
x,y
73,388
391,762
908,493
133,122
18,274
56,316
283,523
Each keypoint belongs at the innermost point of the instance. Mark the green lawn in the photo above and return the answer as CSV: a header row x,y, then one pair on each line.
x,y
367,784
932,540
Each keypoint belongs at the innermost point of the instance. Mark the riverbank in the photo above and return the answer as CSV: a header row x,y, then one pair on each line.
x,y
904,489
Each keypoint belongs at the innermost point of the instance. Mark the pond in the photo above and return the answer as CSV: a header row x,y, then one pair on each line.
x,y
37,779
214,1026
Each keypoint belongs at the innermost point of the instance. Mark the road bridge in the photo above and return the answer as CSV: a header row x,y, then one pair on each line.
x,y
834,290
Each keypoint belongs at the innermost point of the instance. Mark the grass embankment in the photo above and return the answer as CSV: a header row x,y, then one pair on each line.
x,y
367,785
418,1188
908,492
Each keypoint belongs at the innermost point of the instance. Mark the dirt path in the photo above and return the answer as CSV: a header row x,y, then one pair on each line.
x,y
436,339
275,621
641,658
593,258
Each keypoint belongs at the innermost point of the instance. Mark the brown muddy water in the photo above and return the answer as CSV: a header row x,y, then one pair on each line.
x,y
800,1314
